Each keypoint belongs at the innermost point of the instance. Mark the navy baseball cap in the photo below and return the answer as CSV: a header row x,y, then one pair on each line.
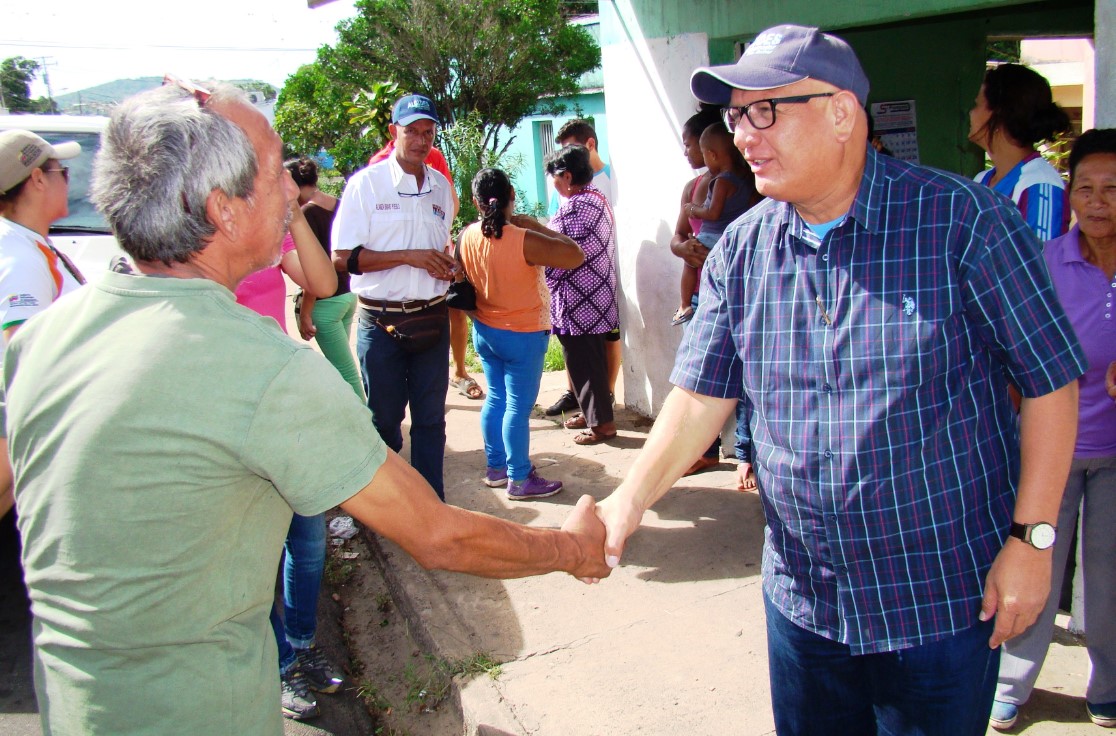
x,y
411,108
780,56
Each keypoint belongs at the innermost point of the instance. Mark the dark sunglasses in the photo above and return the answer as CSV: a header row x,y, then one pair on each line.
x,y
65,173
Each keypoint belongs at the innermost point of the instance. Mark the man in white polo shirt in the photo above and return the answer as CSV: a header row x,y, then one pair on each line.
x,y
391,232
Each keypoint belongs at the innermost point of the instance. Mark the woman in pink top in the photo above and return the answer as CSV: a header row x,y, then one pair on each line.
x,y
503,256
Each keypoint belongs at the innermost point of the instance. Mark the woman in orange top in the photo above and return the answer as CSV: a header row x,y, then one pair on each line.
x,y
503,256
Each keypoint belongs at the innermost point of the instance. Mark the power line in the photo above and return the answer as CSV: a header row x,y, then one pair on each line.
x,y
114,47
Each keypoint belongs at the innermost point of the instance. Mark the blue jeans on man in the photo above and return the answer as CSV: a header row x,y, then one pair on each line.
x,y
818,687
394,380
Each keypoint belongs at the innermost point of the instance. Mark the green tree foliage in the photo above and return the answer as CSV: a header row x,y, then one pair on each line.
x,y
311,114
498,59
16,75
371,109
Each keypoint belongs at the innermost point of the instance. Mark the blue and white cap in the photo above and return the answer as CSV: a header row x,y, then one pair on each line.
x,y
780,56
411,108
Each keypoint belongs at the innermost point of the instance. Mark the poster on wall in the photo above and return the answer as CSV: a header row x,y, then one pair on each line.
x,y
896,127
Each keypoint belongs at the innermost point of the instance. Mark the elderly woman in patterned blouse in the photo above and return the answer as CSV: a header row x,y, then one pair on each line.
x,y
583,300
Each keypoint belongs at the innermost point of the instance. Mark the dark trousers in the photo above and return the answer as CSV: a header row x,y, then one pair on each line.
x,y
587,364
395,380
819,688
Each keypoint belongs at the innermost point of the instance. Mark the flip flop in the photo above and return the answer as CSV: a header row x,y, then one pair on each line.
x,y
468,387
682,316
577,421
591,437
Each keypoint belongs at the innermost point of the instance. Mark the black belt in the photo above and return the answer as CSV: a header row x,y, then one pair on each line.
x,y
412,305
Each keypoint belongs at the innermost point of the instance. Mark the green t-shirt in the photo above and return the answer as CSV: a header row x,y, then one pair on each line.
x,y
160,435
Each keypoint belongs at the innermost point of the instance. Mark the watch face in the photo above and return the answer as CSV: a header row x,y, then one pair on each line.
x,y
1042,536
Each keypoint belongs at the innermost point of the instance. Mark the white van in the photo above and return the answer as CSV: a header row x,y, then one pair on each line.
x,y
83,235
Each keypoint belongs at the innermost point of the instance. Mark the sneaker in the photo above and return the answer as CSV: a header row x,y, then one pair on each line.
x,y
496,477
1003,715
1102,714
533,486
298,703
566,402
319,673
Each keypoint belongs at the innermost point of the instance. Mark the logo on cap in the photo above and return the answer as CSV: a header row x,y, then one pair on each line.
x,y
765,43
29,154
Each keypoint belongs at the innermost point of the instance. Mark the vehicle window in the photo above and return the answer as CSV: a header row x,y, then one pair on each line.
x,y
83,215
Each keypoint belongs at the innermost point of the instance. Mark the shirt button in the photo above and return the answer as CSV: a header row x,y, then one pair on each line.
x,y
825,256
827,454
827,388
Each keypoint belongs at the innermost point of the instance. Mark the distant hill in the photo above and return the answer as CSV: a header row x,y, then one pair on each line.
x,y
101,99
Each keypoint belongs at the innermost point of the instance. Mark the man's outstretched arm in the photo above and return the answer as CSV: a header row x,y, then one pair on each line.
x,y
683,430
1019,581
400,505
7,495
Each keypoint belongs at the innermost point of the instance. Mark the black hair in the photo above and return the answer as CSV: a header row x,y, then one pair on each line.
x,y
303,170
14,192
706,115
578,129
492,189
1021,103
574,159
1098,140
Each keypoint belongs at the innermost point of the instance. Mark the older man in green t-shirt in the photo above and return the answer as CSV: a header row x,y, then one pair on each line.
x,y
160,435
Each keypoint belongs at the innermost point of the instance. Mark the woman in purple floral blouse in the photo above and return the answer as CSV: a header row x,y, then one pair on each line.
x,y
583,306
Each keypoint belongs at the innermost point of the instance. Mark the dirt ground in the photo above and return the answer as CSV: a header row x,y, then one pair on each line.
x,y
408,693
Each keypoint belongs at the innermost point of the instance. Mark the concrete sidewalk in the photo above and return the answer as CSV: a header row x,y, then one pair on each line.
x,y
672,643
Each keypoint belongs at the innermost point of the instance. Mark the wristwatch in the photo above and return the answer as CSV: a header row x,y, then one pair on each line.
x,y
352,265
1039,535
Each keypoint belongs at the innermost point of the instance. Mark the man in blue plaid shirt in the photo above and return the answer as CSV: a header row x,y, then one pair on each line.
x,y
874,312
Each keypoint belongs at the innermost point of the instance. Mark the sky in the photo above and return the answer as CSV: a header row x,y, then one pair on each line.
x,y
89,42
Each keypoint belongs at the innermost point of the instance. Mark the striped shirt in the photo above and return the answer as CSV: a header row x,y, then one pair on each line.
x,y
1038,190
877,361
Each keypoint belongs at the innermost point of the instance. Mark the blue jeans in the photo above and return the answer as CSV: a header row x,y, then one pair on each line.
x,y
818,687
394,379
513,363
303,564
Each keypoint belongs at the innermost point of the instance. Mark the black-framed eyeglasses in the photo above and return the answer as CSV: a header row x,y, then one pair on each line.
x,y
64,170
761,113
428,190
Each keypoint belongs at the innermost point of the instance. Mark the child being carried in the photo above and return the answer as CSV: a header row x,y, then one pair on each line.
x,y
731,194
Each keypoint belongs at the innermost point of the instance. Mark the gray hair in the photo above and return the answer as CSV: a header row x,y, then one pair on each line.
x,y
161,156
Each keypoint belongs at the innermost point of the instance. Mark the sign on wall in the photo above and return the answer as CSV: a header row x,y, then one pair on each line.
x,y
895,125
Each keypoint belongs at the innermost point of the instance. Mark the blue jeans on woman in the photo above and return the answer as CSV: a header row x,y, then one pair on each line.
x,y
818,687
303,564
513,363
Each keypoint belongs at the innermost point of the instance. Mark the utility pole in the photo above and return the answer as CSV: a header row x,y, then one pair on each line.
x,y
43,64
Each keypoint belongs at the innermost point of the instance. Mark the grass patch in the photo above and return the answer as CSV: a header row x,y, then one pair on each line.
x,y
479,663
554,360
338,571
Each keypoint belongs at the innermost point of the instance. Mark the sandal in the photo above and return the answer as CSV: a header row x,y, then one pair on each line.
x,y
577,421
682,316
591,437
467,387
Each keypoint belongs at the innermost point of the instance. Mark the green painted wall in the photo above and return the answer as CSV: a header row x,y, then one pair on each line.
x,y
663,18
937,61
530,182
